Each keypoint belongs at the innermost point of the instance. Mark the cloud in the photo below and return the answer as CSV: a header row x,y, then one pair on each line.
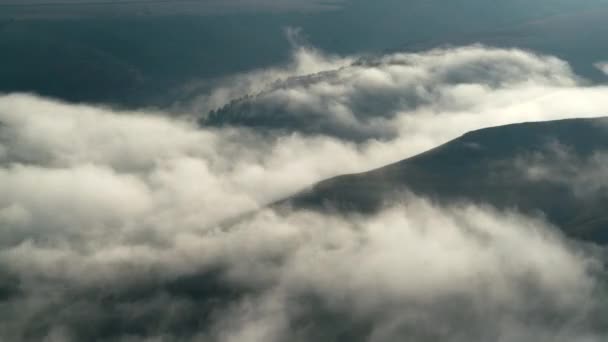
x,y
305,61
602,66
416,270
386,97
163,154
584,174
422,271
110,218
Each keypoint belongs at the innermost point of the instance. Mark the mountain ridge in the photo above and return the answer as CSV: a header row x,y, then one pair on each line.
x,y
490,166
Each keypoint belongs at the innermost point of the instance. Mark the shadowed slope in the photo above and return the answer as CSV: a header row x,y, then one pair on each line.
x,y
491,166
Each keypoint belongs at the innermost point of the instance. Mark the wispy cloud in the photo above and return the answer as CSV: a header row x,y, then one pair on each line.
x,y
602,66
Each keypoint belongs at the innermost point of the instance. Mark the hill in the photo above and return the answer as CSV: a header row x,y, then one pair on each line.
x,y
551,169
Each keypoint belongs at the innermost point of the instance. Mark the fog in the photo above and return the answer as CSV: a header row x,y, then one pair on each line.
x,y
112,220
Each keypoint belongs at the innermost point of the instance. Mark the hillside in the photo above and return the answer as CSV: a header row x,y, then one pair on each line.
x,y
493,166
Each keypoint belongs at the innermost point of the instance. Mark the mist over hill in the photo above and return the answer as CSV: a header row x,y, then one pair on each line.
x,y
550,169
253,170
113,235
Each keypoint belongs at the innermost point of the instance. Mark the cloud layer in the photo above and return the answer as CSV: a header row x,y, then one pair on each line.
x,y
110,219
393,96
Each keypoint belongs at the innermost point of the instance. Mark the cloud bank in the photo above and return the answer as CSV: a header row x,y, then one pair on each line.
x,y
110,219
387,97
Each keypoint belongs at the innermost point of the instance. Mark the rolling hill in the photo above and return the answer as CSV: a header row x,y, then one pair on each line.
x,y
547,169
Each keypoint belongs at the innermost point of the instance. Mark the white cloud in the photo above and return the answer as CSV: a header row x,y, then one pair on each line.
x,y
403,269
115,213
446,92
305,61
602,66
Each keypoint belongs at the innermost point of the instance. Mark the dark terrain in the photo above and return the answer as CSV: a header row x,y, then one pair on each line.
x,y
488,167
